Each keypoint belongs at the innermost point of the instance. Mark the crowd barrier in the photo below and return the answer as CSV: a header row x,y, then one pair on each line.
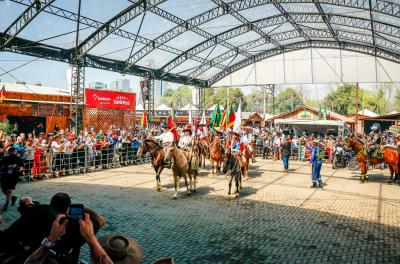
x,y
49,164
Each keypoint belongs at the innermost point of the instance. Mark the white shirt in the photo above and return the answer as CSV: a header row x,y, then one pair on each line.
x,y
166,137
68,149
246,138
185,141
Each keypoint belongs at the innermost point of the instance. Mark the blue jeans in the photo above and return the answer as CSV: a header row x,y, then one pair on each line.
x,y
316,172
285,160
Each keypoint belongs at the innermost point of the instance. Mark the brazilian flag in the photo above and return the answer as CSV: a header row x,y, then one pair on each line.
x,y
216,117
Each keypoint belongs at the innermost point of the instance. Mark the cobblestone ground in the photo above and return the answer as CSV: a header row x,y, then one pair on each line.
x,y
277,219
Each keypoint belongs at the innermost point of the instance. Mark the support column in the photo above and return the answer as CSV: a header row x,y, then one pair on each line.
x,y
147,89
77,96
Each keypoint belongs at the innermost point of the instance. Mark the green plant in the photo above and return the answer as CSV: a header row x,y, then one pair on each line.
x,y
6,127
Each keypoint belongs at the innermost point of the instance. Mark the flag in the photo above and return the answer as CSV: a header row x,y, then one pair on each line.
x,y
144,119
190,114
216,117
238,117
203,119
231,118
324,116
172,127
223,120
3,93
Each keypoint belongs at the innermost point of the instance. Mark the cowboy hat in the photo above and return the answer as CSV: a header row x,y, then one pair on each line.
x,y
122,249
188,127
236,133
219,130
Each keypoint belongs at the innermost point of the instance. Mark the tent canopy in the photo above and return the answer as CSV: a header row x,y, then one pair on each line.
x,y
201,42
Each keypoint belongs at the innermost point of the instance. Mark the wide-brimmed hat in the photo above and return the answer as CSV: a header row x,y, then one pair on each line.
x,y
247,127
236,133
188,128
122,249
219,130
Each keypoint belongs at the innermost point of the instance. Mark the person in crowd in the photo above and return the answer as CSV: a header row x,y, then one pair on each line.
x,y
277,146
28,157
286,152
20,240
12,169
57,149
316,162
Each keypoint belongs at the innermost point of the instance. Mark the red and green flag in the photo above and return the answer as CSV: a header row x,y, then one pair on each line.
x,y
3,93
231,118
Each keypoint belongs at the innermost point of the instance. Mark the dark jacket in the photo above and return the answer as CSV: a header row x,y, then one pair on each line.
x,y
286,149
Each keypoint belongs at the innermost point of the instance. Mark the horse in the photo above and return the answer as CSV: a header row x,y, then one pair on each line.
x,y
157,157
233,169
246,156
180,168
216,155
195,159
203,150
390,156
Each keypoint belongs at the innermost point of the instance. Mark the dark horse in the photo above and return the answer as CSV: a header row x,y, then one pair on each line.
x,y
157,157
233,168
390,156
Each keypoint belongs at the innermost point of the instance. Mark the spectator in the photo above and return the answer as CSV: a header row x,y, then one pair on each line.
x,y
286,152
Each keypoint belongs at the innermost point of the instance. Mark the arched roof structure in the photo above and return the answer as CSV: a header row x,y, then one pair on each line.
x,y
199,42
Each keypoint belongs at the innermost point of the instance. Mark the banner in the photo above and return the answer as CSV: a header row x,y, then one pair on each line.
x,y
110,99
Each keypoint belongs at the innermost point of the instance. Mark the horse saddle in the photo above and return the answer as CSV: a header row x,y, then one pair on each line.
x,y
377,153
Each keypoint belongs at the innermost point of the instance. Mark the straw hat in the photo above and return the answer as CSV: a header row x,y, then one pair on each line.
x,y
236,133
122,249
188,128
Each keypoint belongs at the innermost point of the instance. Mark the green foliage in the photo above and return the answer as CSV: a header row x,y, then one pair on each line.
x,y
221,96
343,100
6,127
255,102
287,100
177,98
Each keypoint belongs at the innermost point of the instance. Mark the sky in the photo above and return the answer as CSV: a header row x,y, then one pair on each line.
x,y
51,73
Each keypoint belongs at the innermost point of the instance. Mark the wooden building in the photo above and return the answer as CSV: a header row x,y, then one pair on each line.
x,y
309,119
30,106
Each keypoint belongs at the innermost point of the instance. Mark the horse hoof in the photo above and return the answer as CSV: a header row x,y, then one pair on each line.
x,y
175,197
158,189
189,194
390,182
237,195
194,190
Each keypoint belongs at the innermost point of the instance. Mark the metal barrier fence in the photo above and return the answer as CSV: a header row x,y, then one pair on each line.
x,y
301,153
49,164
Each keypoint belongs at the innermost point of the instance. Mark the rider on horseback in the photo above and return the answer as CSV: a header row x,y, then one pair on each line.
x,y
375,139
219,135
167,139
185,142
247,138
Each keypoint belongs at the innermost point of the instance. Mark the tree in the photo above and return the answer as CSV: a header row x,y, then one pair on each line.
x,y
287,100
220,96
255,102
177,98
343,101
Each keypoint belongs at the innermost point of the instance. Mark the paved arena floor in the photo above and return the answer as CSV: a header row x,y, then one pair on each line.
x,y
277,219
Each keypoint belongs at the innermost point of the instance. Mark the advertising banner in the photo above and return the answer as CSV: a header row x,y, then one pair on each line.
x,y
110,99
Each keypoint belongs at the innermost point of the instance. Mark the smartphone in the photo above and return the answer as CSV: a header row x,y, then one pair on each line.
x,y
76,212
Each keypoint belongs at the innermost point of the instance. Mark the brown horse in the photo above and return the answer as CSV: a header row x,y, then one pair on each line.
x,y
246,156
234,170
157,157
194,158
390,156
204,150
180,168
216,155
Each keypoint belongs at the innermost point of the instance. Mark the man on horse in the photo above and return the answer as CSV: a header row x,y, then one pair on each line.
x,y
218,137
167,139
375,139
247,138
185,142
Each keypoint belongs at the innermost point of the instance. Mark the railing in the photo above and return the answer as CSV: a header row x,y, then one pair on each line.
x,y
46,164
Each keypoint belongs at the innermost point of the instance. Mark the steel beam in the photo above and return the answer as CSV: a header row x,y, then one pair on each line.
x,y
182,26
23,20
326,20
125,16
365,49
290,20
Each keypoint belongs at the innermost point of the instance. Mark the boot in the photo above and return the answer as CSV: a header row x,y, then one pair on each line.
x,y
314,185
13,199
320,184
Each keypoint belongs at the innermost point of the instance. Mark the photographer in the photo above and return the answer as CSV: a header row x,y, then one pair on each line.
x,y
20,239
